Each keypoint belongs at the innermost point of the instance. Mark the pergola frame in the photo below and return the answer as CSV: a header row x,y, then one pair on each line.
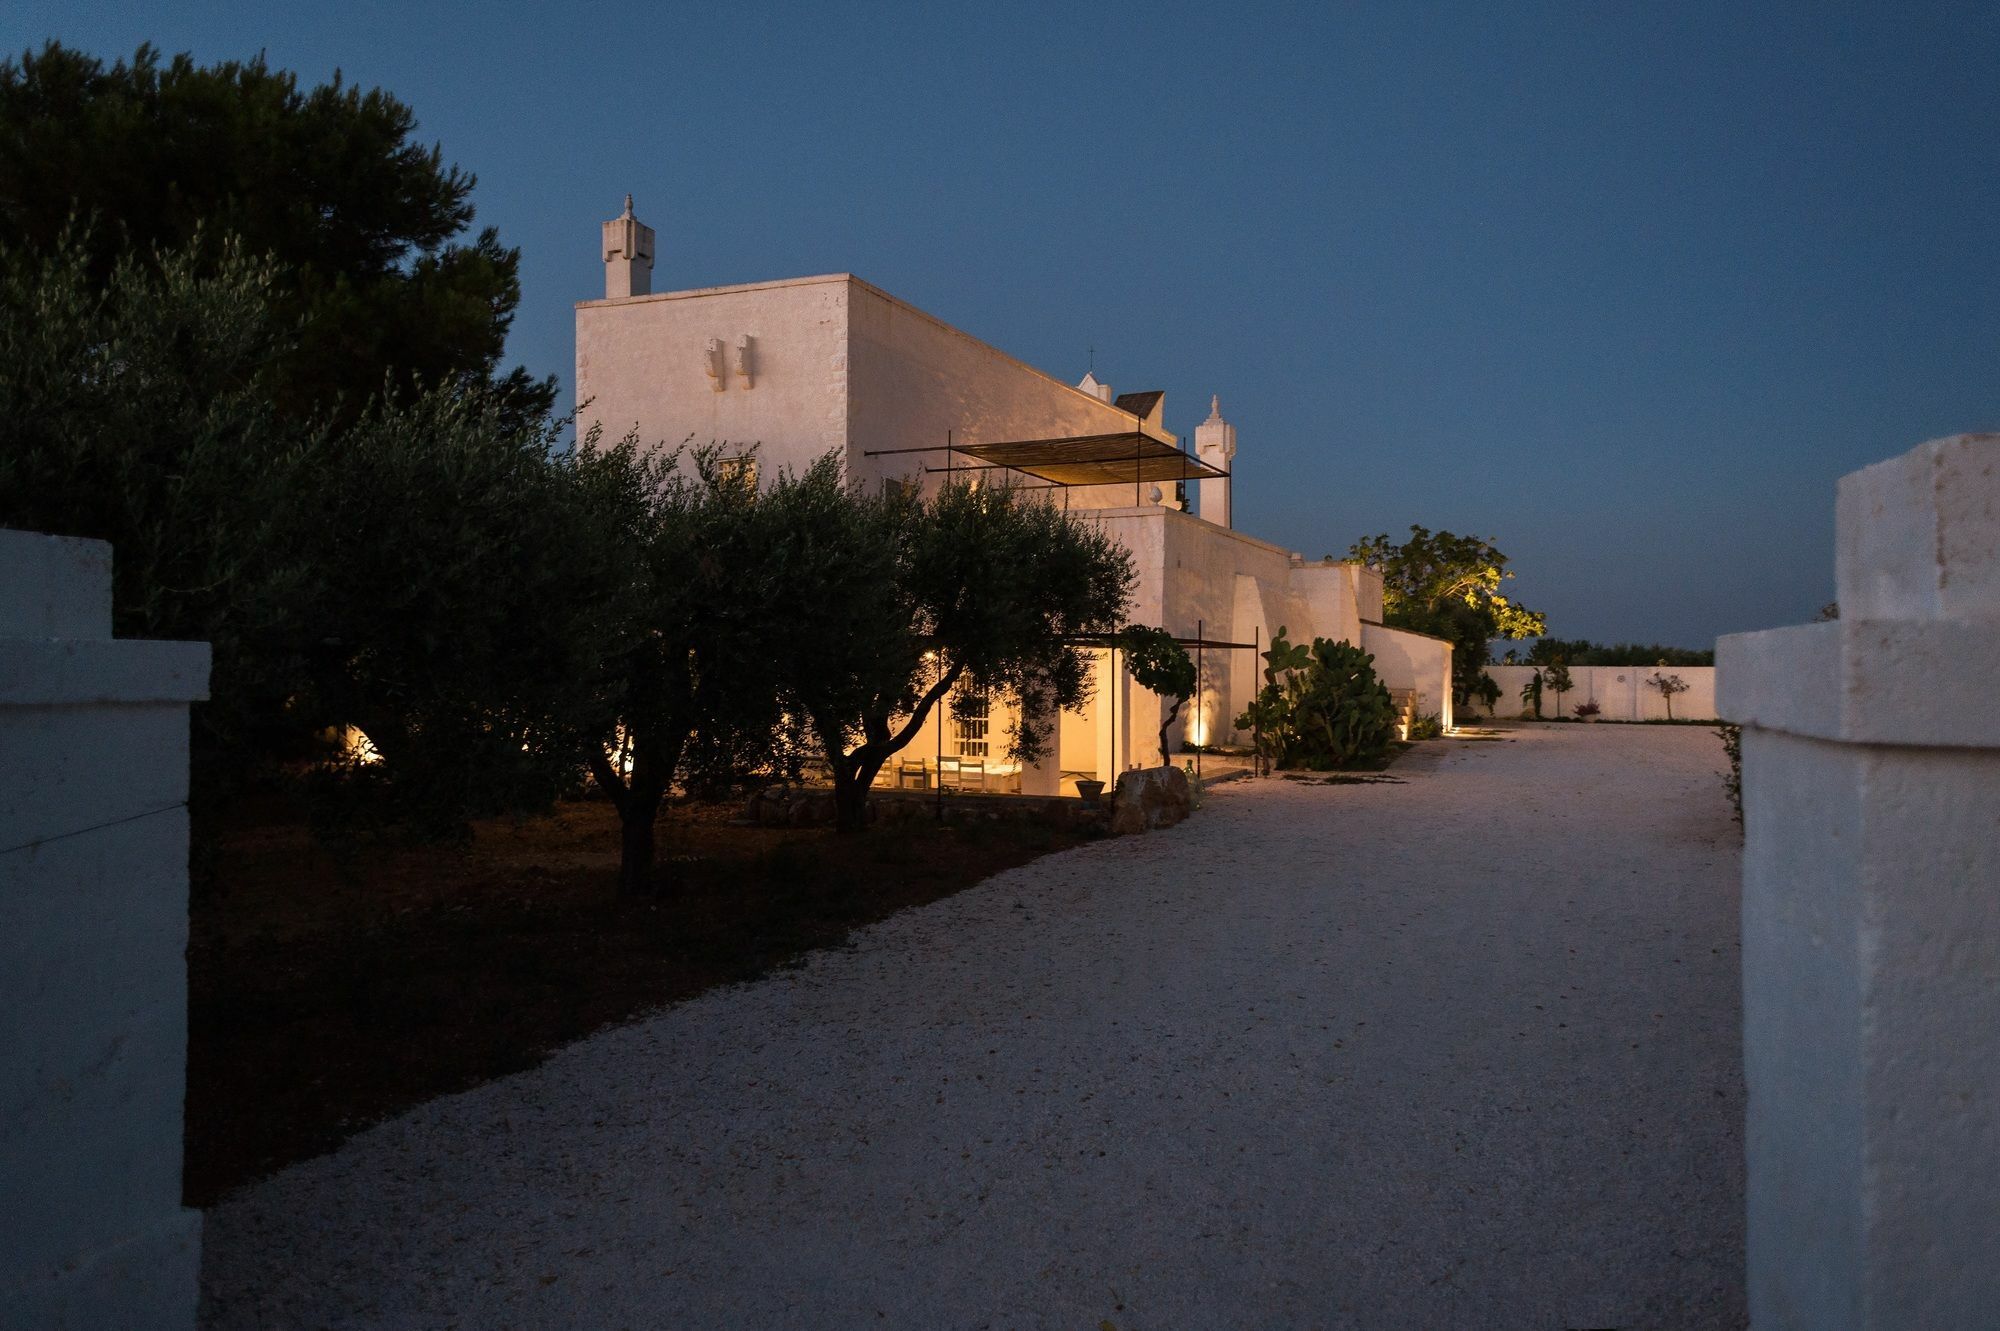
x,y
1068,462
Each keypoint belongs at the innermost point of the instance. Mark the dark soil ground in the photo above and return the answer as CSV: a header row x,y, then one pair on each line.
x,y
327,992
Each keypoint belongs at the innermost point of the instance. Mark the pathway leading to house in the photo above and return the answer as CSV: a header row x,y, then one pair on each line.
x,y
1456,1052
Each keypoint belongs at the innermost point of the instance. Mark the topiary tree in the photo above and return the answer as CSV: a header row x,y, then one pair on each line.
x,y
1556,678
1531,693
1159,663
1668,686
1486,691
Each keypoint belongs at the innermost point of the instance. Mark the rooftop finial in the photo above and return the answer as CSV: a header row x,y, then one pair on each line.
x,y
1215,406
628,256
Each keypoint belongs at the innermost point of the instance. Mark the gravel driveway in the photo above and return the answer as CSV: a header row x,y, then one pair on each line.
x,y
1457,1052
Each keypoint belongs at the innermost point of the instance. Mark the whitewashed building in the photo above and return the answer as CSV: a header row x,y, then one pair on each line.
x,y
797,367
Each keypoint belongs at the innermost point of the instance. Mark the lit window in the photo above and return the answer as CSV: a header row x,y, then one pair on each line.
x,y
969,721
738,468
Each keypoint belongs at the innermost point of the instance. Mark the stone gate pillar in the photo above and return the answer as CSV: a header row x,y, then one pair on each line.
x,y
1871,912
93,938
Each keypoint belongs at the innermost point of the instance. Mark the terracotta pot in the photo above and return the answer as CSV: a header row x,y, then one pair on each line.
x,y
1090,791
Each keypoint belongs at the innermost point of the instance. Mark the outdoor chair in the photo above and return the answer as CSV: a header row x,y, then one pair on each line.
x,y
913,775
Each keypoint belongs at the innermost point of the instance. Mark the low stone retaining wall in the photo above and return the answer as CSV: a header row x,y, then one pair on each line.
x,y
1145,799
812,806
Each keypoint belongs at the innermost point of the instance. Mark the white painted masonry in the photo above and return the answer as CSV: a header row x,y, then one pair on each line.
x,y
1871,913
798,368
93,935
1621,691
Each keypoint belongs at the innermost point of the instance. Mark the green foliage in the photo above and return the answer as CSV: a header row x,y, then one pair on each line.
x,y
465,598
431,575
362,225
1448,586
1321,707
136,411
1583,652
883,603
1557,680
1431,570
690,692
1159,663
1427,727
1732,782
1486,690
1531,692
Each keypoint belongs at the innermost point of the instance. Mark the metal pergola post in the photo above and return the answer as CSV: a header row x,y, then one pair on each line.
x,y
1197,701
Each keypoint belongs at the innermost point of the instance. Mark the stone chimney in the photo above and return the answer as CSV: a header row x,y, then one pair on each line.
x,y
628,256
1215,444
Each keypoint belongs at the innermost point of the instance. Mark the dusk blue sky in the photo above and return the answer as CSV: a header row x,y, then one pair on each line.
x,y
1623,287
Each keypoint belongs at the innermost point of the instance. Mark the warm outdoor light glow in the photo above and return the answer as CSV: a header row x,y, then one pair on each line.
x,y
1197,731
619,751
354,742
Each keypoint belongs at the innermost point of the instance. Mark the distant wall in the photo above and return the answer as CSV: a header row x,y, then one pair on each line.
x,y
1621,691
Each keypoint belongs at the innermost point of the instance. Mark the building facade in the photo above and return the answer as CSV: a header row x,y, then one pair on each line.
x,y
784,372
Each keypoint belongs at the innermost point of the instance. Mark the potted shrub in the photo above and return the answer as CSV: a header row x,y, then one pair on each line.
x,y
1588,710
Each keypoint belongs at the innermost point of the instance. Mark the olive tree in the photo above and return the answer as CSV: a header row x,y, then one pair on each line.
x,y
884,603
434,575
1161,665
691,678
136,410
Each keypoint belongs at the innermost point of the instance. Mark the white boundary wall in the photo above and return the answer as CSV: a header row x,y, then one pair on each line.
x,y
1417,661
1871,913
93,937
1621,691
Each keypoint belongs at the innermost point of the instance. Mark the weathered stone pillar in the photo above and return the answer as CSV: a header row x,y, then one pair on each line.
x,y
1871,913
93,938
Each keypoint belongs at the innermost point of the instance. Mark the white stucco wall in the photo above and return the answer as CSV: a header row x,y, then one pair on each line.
x,y
914,379
1621,691
93,932
642,363
1405,660
1871,913
836,363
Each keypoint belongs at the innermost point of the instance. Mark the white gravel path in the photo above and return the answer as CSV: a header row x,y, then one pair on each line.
x,y
1459,1052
